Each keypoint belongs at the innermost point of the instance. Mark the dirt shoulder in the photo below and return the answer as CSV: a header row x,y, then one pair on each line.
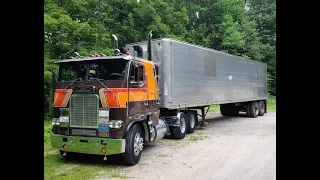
x,y
228,148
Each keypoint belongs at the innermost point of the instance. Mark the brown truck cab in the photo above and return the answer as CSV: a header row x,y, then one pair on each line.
x,y
106,105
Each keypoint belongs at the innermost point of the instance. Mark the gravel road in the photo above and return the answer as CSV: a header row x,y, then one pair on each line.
x,y
228,148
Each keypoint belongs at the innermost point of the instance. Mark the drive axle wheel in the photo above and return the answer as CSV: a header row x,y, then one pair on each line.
x,y
180,132
191,121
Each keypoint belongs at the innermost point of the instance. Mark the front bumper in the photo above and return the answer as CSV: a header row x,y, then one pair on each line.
x,y
88,145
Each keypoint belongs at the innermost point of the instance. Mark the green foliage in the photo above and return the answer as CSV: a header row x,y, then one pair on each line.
x,y
239,27
271,103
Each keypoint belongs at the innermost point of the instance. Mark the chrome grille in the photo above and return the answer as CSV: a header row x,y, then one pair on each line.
x,y
84,110
84,132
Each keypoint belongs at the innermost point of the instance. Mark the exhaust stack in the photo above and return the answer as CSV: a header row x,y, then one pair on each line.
x,y
149,45
115,45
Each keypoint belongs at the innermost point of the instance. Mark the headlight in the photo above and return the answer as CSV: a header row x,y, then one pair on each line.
x,y
116,124
55,121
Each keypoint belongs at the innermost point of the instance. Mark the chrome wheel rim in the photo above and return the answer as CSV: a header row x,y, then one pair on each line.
x,y
256,109
138,144
182,125
192,121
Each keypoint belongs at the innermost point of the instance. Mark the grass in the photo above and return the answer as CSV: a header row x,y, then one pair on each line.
x,y
47,132
188,139
162,155
56,168
117,175
271,105
214,108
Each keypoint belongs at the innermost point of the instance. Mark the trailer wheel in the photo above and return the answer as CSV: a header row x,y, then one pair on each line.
x,y
247,109
225,109
191,121
254,109
235,111
180,132
134,145
261,108
229,110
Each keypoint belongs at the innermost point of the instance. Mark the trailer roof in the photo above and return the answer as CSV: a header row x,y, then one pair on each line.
x,y
124,57
183,42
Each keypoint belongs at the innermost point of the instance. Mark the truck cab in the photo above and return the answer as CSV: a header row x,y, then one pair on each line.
x,y
106,105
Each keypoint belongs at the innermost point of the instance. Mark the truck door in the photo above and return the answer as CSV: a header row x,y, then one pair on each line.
x,y
138,93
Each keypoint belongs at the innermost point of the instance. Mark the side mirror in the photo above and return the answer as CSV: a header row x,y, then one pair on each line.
x,y
141,85
138,84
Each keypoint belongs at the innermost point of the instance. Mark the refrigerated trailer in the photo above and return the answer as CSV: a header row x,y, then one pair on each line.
x,y
149,90
191,75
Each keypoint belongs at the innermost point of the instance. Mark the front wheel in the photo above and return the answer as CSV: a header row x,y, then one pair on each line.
x,y
134,145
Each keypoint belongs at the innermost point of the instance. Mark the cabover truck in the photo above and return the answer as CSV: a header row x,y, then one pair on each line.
x,y
108,105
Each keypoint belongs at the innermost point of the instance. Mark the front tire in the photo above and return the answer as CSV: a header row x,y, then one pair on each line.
x,y
134,145
180,132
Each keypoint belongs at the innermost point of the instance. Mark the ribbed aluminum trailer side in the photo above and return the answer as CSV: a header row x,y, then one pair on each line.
x,y
192,75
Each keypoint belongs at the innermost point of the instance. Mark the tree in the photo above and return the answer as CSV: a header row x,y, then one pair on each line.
x,y
244,28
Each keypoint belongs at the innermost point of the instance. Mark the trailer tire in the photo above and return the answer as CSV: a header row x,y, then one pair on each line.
x,y
254,109
261,108
224,110
235,111
191,121
180,132
229,110
247,109
134,145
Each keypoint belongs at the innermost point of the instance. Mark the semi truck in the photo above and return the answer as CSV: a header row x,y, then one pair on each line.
x,y
106,105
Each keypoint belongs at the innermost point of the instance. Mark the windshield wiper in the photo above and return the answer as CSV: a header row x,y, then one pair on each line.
x,y
73,82
108,89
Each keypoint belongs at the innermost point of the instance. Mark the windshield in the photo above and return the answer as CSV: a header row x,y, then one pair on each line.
x,y
96,69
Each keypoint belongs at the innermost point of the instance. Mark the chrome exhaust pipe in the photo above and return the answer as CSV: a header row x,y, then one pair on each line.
x,y
160,130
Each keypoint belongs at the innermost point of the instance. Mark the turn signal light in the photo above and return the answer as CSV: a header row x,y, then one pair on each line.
x,y
104,150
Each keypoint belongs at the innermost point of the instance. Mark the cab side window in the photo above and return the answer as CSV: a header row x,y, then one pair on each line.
x,y
137,72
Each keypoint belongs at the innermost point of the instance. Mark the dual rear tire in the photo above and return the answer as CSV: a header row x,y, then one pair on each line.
x,y
255,108
187,124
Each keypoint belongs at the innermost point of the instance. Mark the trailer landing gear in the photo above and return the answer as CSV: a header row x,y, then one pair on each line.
x,y
203,123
